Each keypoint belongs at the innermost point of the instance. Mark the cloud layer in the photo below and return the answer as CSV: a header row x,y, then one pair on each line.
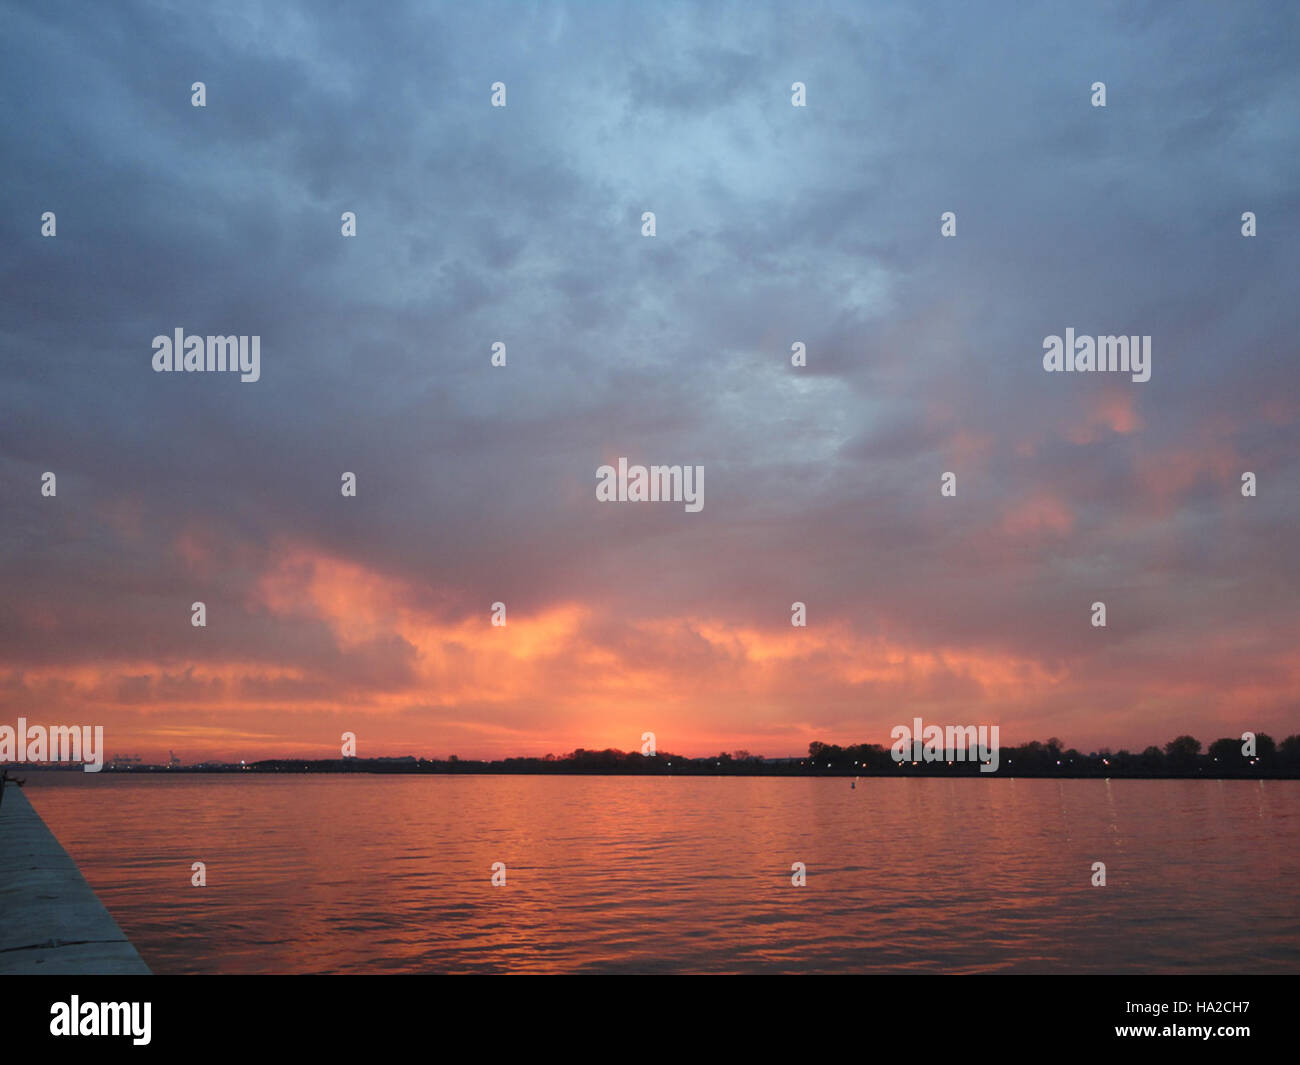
x,y
775,224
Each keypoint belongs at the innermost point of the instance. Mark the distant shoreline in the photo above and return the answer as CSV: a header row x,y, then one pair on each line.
x,y
377,767
1180,759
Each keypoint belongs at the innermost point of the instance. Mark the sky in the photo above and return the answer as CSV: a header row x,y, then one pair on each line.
x,y
774,225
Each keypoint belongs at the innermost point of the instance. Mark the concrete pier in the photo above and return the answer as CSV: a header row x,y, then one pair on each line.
x,y
51,921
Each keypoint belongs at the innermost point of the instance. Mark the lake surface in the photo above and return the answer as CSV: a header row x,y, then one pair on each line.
x,y
650,874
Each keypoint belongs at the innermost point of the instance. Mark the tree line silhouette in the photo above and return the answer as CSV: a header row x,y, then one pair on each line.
x,y
1182,756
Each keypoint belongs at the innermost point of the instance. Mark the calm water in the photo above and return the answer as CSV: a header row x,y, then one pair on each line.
x,y
392,874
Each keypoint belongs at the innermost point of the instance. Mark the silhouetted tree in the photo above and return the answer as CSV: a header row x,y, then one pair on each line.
x,y
1226,751
1182,751
1152,759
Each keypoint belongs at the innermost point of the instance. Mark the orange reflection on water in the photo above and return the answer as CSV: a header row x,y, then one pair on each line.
x,y
365,873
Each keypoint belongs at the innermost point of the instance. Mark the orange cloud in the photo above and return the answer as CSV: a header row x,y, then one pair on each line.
x,y
1114,409
1040,513
571,674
